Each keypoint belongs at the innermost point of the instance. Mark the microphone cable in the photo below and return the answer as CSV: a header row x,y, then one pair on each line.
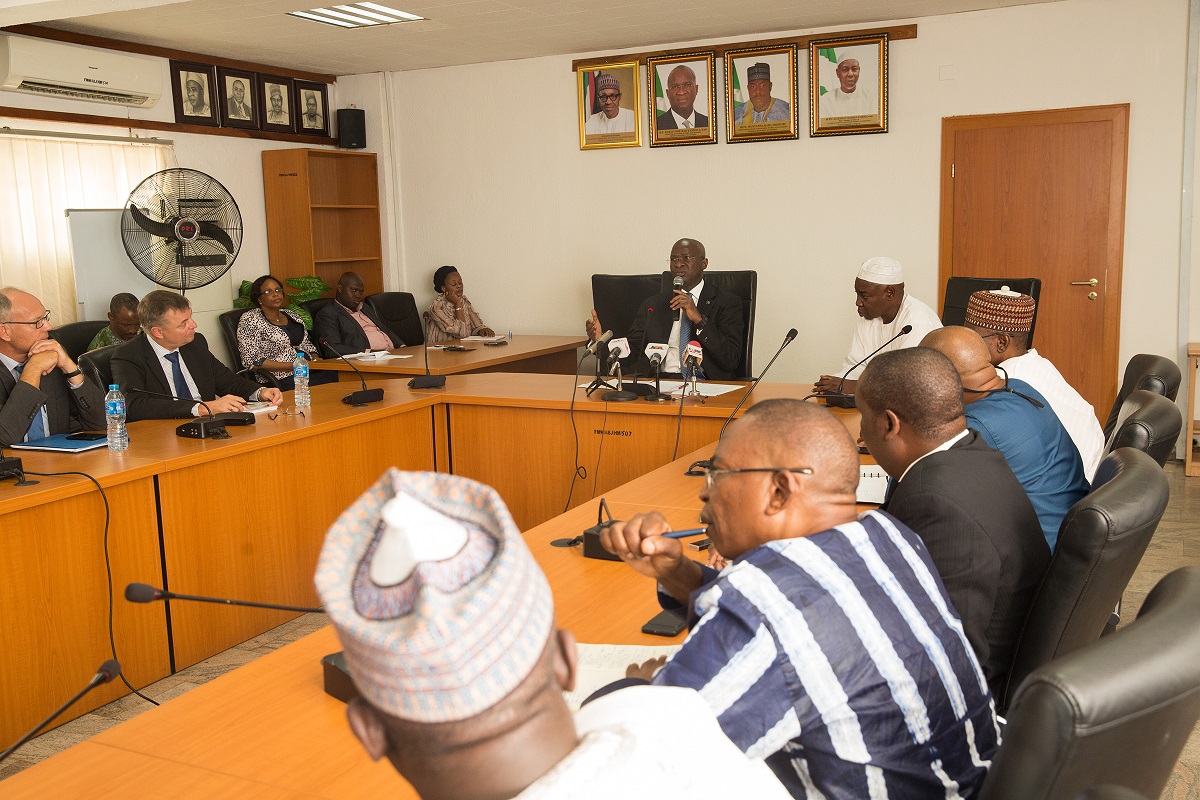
x,y
580,472
678,422
600,449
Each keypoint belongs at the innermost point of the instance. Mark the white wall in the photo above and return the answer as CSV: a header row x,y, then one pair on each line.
x,y
491,178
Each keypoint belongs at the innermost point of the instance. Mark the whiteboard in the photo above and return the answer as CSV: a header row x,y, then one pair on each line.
x,y
103,268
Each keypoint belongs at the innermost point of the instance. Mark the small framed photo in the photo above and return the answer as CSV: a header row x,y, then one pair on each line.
x,y
275,103
191,89
609,106
681,90
848,85
311,101
238,92
760,94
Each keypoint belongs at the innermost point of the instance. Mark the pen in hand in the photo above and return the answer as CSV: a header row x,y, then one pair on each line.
x,y
685,533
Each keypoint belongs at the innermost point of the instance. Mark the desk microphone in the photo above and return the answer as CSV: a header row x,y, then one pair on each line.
x,y
791,334
657,353
840,399
108,670
363,395
425,381
677,286
199,428
145,593
595,344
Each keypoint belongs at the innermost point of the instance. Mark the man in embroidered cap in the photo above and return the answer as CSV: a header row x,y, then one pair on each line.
x,y
448,628
1004,319
848,98
612,116
884,309
762,106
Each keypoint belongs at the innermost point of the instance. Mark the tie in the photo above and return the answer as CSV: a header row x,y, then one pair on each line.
x,y
37,428
181,387
687,123
686,333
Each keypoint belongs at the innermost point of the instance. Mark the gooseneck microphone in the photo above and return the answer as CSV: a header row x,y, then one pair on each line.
x,y
425,381
199,428
145,593
840,399
108,670
363,395
595,344
677,286
787,339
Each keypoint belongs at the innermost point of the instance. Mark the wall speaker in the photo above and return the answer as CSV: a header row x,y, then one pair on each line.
x,y
352,128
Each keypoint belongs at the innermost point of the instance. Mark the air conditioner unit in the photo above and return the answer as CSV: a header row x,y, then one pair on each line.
x,y
40,66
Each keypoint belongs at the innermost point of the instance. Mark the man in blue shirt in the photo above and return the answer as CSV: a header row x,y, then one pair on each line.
x,y
828,646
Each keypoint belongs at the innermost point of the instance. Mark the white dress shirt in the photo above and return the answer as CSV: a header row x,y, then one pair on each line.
x,y
684,122
672,362
870,334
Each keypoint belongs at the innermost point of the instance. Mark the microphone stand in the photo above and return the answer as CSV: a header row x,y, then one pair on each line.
x,y
840,399
786,341
619,395
657,396
364,395
600,381
426,381
108,670
144,593
691,390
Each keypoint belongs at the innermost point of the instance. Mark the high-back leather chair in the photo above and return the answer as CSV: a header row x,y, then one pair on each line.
x,y
617,298
1148,422
398,310
959,290
229,325
1100,544
97,365
1116,712
1144,371
76,336
744,284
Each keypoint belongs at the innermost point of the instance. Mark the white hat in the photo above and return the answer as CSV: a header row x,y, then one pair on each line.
x,y
846,55
882,270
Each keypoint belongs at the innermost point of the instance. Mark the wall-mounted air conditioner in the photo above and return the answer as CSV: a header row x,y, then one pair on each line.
x,y
40,66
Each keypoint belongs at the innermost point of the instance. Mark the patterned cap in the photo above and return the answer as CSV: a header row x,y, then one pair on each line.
x,y
606,81
439,604
1003,310
882,270
758,72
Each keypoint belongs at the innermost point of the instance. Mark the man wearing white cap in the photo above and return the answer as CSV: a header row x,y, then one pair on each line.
x,y
848,99
611,118
884,309
195,87
448,628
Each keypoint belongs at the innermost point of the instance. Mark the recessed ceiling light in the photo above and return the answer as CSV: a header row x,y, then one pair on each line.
x,y
356,15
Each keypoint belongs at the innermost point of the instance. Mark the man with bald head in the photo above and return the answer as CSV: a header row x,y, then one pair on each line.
x,y
682,88
1015,419
828,646
351,324
958,495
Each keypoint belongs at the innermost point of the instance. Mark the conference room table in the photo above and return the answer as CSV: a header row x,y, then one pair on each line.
x,y
521,353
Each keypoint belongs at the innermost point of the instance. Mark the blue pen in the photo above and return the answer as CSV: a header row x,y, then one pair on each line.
x,y
685,534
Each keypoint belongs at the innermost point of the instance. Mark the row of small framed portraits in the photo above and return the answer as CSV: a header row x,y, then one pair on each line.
x,y
232,98
847,95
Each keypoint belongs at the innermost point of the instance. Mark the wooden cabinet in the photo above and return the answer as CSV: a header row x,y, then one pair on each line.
x,y
323,215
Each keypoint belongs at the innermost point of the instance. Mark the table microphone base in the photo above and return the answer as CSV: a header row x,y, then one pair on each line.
x,y
618,396
840,401
364,396
202,429
427,382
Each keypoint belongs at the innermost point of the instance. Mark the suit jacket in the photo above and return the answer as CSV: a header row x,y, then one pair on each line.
x,y
67,409
721,341
666,121
136,366
984,538
334,324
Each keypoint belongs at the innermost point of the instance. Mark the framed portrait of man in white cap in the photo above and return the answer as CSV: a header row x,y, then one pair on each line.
x,y
848,85
192,92
760,94
680,102
609,103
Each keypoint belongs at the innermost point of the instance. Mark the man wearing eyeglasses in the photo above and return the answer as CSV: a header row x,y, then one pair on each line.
x,y
611,118
42,391
682,89
828,646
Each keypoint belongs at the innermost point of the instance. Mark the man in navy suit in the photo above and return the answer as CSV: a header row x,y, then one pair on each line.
x,y
681,94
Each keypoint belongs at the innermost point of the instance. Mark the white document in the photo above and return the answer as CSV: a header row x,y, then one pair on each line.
x,y
500,338
601,664
872,483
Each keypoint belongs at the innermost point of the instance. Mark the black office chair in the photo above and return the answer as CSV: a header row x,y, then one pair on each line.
x,y
1144,371
1109,792
744,284
960,289
314,306
617,298
1148,422
398,311
97,365
76,336
1100,544
1116,712
229,325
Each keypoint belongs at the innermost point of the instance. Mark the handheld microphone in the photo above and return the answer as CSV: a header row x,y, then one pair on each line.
x,y
840,399
145,593
787,339
596,343
425,381
108,670
677,286
211,428
363,395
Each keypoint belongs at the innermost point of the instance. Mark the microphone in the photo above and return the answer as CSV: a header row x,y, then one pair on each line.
x,y
839,399
211,428
145,593
694,354
787,339
425,381
108,670
657,353
363,395
677,286
596,343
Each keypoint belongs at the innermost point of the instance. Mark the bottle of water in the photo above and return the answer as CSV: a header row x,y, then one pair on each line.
x,y
300,373
114,412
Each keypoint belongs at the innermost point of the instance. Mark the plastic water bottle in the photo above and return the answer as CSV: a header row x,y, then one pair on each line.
x,y
300,373
114,412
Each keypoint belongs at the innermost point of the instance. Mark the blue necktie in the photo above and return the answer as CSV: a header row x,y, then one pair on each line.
x,y
37,428
686,333
181,388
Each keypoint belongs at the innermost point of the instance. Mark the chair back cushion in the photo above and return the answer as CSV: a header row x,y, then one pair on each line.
x,y
1148,422
96,365
76,336
398,311
617,298
1144,371
960,289
744,284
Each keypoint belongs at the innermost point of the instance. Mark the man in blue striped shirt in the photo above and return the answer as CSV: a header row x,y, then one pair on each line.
x,y
828,646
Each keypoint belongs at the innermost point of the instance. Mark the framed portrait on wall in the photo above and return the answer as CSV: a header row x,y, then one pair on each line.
x,y
275,104
609,106
680,101
192,92
238,95
848,85
760,94
311,107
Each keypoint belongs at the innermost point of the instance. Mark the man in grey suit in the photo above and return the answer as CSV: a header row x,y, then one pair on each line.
x,y
682,89
42,391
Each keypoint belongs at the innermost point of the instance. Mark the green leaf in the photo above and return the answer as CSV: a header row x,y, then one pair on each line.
x,y
302,312
311,287
241,302
244,293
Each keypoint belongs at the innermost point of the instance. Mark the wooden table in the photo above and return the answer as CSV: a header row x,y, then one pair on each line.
x,y
525,353
1191,458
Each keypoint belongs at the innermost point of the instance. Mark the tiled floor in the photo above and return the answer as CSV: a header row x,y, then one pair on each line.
x,y
1176,543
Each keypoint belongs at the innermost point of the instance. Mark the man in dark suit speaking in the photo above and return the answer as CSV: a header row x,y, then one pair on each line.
x,y
707,314
351,325
170,358
682,89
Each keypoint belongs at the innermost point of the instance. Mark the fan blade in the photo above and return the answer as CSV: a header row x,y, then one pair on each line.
x,y
214,231
152,227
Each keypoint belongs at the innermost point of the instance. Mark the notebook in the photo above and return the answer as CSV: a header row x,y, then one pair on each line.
x,y
59,443
872,484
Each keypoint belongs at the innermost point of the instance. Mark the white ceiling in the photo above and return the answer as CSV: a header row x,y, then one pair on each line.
x,y
455,31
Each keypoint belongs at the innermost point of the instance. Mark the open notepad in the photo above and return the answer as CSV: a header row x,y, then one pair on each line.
x,y
601,664
872,483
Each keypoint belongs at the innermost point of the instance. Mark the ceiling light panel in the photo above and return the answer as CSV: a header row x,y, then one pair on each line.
x,y
356,15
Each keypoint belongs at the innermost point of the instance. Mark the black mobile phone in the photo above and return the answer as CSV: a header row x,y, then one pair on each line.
x,y
700,544
496,343
665,623
86,437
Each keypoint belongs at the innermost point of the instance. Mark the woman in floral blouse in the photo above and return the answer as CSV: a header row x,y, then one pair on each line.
x,y
269,335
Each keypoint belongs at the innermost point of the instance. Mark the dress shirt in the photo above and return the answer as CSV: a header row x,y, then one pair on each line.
x,y
870,334
600,122
162,352
672,363
684,122
377,339
12,367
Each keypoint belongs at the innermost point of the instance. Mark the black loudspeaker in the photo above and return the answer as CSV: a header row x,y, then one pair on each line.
x,y
352,128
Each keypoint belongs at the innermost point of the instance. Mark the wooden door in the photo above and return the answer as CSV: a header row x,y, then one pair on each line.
x,y
1042,194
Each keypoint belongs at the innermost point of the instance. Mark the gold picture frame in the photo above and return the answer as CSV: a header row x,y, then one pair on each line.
x,y
859,64
761,93
696,86
605,122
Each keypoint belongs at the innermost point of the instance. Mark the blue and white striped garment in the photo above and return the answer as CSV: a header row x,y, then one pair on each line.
x,y
838,659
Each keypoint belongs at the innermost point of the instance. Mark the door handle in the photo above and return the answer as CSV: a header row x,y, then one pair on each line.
x,y
1092,282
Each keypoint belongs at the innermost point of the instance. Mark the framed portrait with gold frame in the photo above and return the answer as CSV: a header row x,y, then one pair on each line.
x,y
760,94
848,80
608,106
680,91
